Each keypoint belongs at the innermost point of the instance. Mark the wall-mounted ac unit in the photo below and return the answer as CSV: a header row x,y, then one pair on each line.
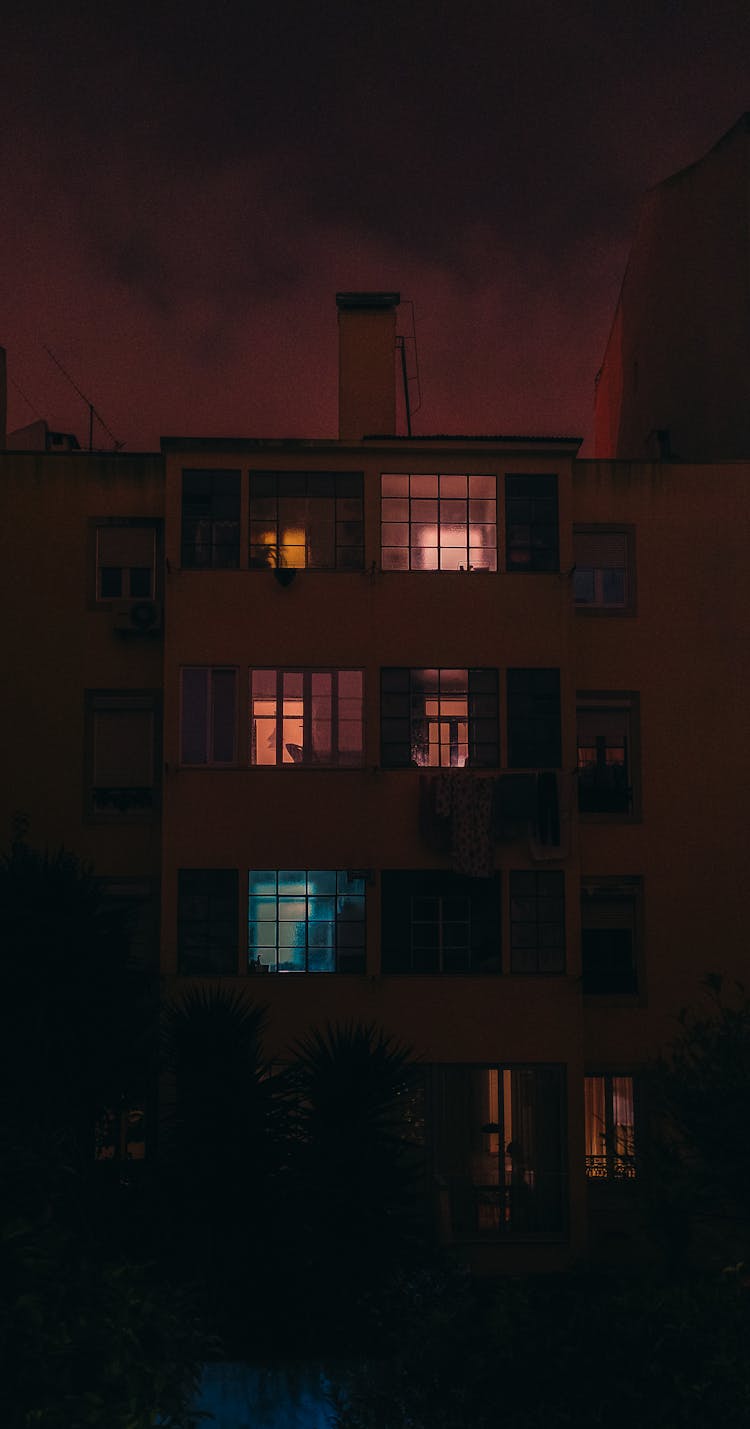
x,y
138,617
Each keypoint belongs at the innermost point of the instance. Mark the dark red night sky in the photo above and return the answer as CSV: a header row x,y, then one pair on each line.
x,y
185,187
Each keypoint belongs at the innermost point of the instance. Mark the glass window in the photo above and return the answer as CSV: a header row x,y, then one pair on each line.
x,y
436,922
537,922
602,578
438,523
609,925
210,519
610,1128
125,562
306,717
306,920
439,718
207,905
605,755
122,763
534,736
208,715
499,1149
306,520
531,523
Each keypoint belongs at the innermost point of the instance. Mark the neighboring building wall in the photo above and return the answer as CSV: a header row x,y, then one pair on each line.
x,y
678,356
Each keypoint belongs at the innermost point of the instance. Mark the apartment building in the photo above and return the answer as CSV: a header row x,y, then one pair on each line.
x,y
440,733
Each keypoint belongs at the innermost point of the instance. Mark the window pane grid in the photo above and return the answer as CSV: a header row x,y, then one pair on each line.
x,y
207,921
306,520
534,733
210,519
537,922
610,1128
428,718
306,717
531,523
306,921
438,522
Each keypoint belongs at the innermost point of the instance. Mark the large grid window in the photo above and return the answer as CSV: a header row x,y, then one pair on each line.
x,y
610,1128
531,523
438,523
306,920
125,561
609,934
605,754
306,520
499,1149
439,718
437,922
207,906
210,519
534,736
208,729
602,578
306,717
537,922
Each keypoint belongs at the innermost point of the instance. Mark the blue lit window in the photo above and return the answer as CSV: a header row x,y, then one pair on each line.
x,y
306,920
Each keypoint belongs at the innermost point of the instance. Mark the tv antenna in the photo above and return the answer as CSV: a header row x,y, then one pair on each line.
x,y
92,409
406,376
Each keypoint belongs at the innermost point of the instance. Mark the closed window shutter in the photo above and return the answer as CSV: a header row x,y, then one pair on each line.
x,y
600,549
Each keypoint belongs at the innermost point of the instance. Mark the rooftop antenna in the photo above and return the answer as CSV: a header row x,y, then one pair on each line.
x,y
92,409
401,341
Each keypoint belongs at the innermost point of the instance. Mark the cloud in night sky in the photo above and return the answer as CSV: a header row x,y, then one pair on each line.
x,y
185,188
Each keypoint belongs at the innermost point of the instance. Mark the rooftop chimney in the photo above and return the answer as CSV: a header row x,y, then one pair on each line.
x,y
367,364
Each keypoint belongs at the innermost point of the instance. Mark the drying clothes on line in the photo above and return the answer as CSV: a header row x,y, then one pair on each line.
x,y
514,805
434,828
466,801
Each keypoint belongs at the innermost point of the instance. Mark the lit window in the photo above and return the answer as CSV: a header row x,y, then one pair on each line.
x,y
122,763
436,922
306,520
537,922
207,907
306,921
499,1149
609,928
610,1128
602,577
534,736
210,520
208,715
119,1134
605,754
125,562
438,523
439,718
304,717
531,529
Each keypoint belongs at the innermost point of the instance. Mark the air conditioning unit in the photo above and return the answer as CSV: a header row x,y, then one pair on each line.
x,y
138,617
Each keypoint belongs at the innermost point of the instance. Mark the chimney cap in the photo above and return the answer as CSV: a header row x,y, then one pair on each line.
x,y
345,302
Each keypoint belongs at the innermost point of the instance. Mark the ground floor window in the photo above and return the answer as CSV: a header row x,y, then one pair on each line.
x,y
610,1128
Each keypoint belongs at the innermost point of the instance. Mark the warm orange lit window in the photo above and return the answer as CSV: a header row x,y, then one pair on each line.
x,y
438,523
306,717
610,1128
306,520
444,719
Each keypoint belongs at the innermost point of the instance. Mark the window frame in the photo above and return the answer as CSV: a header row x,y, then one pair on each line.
x,y
550,566
517,895
611,1156
440,498
257,965
213,520
121,701
610,528
210,762
307,672
626,886
230,896
408,695
615,700
398,885
515,722
97,602
275,549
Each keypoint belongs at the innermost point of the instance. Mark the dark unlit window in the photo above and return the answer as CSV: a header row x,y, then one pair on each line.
x,y
602,578
444,719
122,756
499,1149
210,519
610,1128
306,717
306,520
438,523
605,755
125,562
534,736
208,733
439,922
537,921
609,927
531,523
306,920
207,926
